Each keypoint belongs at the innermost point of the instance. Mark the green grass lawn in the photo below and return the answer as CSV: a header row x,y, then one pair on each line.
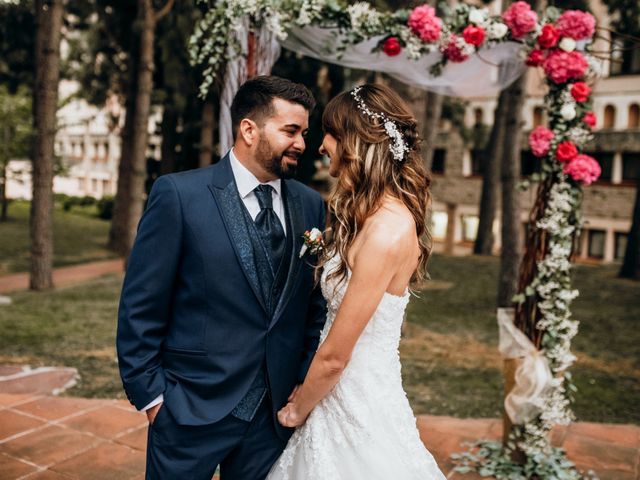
x,y
78,237
450,362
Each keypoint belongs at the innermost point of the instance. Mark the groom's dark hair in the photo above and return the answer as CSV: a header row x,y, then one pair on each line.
x,y
254,99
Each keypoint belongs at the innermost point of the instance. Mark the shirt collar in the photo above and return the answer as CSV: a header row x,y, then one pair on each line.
x,y
245,180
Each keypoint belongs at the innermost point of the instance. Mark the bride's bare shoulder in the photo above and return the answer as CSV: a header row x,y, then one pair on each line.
x,y
392,224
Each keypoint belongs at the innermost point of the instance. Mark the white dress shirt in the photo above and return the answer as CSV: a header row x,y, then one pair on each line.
x,y
246,183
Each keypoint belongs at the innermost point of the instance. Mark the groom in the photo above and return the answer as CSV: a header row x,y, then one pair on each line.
x,y
219,317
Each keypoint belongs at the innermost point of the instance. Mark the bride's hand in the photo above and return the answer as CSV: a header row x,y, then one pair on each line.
x,y
289,416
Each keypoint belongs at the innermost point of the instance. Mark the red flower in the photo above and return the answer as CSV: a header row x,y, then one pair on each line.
x,y
473,35
549,36
391,46
424,23
566,152
576,24
535,58
590,119
583,168
562,66
520,19
452,50
580,91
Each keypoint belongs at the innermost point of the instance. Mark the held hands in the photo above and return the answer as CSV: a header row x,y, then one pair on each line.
x,y
289,416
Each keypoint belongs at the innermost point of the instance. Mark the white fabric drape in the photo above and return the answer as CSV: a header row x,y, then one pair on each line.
x,y
267,51
485,73
533,375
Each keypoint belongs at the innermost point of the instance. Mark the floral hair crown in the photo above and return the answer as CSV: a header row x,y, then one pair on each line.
x,y
398,146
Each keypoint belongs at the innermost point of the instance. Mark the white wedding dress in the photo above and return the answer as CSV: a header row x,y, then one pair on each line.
x,y
364,428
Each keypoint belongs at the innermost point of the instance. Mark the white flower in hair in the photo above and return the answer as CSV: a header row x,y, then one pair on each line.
x,y
398,146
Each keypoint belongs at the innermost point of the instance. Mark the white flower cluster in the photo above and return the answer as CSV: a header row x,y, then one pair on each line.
x,y
552,285
310,10
364,18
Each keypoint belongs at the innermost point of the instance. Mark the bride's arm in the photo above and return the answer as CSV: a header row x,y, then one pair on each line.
x,y
374,266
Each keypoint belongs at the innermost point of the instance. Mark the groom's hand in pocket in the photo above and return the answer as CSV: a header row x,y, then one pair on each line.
x,y
152,412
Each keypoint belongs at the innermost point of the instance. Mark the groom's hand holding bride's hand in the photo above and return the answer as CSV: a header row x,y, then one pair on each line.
x,y
289,416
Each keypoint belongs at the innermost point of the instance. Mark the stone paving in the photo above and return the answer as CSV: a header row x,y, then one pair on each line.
x,y
57,438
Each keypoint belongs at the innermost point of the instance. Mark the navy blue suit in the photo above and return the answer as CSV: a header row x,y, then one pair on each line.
x,y
194,323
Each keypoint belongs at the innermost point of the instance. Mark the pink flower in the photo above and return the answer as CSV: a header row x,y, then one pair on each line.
x,y
562,66
549,36
566,152
580,91
583,168
590,119
424,23
453,52
473,35
535,58
540,141
391,46
520,19
576,24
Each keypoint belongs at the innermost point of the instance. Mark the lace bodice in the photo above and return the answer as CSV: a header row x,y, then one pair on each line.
x,y
364,428
383,330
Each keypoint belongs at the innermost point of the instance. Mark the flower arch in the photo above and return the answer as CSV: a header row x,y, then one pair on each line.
x,y
464,52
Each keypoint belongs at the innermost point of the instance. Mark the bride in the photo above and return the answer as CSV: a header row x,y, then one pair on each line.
x,y
353,417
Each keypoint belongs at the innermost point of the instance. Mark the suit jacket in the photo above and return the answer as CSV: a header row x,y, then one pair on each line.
x,y
193,323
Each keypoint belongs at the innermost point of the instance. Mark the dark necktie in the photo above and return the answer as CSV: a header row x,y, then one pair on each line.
x,y
269,226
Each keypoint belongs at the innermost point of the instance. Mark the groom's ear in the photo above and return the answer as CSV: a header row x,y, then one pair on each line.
x,y
248,131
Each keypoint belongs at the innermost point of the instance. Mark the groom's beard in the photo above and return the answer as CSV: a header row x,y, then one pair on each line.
x,y
274,162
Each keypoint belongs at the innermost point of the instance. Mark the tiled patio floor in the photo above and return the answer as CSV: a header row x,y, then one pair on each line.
x,y
56,438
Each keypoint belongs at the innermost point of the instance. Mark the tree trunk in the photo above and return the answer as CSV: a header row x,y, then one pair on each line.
x,y
119,221
631,263
430,127
49,19
3,193
3,176
169,139
511,250
206,134
132,169
140,127
491,181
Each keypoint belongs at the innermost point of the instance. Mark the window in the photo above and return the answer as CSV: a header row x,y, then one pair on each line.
x,y
634,116
630,167
478,115
625,59
596,243
538,116
439,157
609,117
605,159
94,185
529,163
621,245
470,227
477,161
439,225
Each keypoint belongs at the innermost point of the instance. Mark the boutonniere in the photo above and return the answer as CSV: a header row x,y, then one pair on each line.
x,y
313,242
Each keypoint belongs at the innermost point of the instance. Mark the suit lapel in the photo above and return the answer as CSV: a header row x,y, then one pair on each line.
x,y
224,190
296,227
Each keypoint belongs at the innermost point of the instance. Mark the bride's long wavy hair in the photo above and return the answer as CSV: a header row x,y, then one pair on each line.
x,y
368,171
